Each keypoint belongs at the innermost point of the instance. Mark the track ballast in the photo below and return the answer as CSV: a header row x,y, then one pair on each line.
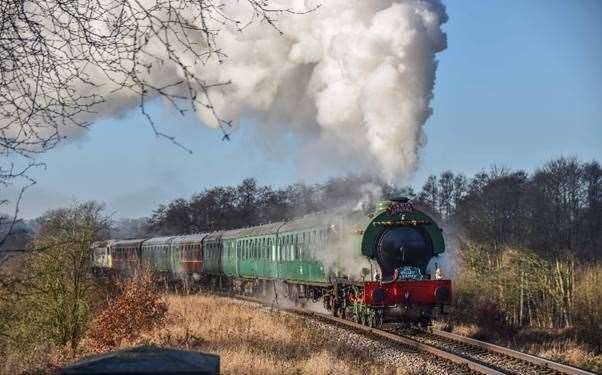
x,y
472,356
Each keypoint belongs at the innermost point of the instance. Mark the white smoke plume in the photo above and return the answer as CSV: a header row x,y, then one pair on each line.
x,y
358,74
355,78
370,193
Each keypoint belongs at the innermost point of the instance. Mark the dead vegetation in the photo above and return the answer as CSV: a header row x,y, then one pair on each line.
x,y
249,339
253,340
137,309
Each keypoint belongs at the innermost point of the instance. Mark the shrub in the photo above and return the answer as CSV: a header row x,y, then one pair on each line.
x,y
588,307
139,307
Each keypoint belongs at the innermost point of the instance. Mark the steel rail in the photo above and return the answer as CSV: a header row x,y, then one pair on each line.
x,y
407,341
562,368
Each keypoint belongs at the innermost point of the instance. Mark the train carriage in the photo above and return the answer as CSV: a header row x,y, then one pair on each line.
x,y
101,257
186,257
212,254
156,254
125,256
319,246
249,252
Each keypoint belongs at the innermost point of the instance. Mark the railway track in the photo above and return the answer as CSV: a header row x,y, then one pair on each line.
x,y
473,355
497,359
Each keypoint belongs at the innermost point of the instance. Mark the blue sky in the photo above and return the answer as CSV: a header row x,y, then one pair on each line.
x,y
520,83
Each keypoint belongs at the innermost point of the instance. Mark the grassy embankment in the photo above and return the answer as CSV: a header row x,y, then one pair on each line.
x,y
249,340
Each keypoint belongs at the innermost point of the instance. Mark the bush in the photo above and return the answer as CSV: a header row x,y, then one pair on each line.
x,y
139,307
588,307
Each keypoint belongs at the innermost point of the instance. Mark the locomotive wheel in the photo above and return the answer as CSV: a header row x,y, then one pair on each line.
x,y
336,310
379,318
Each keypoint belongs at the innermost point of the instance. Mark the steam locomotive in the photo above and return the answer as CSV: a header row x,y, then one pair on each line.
x,y
371,268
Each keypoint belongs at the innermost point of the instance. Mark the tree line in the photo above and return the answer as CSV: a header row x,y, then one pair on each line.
x,y
250,204
555,211
529,246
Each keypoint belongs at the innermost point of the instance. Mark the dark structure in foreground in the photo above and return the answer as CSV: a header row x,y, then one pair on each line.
x,y
147,360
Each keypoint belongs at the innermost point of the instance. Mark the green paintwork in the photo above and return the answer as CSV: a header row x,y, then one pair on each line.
x,y
376,227
294,251
212,254
156,253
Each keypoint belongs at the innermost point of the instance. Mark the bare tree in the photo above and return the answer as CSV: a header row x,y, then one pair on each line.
x,y
62,62
8,222
53,294
429,195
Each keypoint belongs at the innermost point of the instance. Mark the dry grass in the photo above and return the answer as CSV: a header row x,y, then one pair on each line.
x,y
568,352
249,339
254,340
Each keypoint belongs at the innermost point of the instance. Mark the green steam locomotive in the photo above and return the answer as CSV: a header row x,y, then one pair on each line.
x,y
372,267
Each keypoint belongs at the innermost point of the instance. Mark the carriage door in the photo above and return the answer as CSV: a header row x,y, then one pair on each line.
x,y
238,244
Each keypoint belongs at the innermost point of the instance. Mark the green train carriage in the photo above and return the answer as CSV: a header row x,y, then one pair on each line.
x,y
296,251
156,254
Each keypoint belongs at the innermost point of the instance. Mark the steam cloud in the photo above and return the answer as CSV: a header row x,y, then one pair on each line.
x,y
354,78
358,74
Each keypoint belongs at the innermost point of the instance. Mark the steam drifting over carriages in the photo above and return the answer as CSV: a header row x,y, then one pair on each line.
x,y
371,268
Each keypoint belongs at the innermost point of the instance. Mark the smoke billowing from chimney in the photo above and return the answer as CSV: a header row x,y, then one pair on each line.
x,y
352,78
355,76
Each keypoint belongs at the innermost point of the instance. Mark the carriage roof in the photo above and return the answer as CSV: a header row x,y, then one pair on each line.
x,y
261,230
127,243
